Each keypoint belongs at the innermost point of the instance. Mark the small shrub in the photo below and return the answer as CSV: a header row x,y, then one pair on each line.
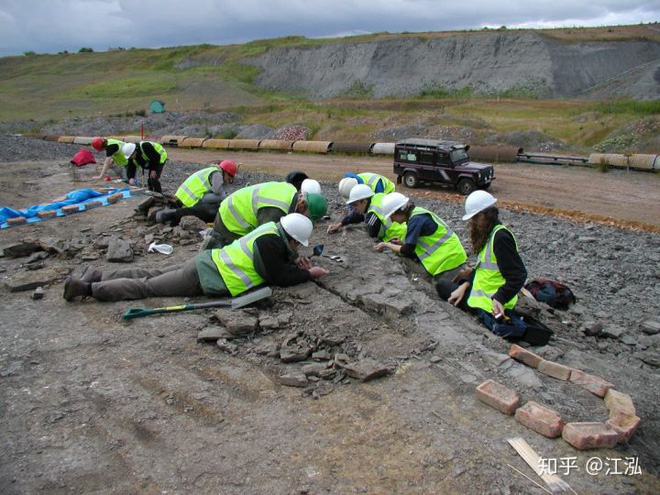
x,y
140,113
29,53
86,49
602,165
228,134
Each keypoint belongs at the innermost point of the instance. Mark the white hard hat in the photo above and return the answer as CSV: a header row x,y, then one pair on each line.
x,y
128,149
392,203
345,186
310,186
477,201
361,191
298,226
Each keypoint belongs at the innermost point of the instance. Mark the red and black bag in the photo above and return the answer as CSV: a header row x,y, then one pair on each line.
x,y
553,293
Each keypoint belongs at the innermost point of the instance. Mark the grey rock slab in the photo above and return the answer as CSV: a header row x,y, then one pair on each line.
x,y
650,327
21,249
237,322
649,357
292,354
314,369
212,334
192,224
366,370
525,376
33,279
321,356
495,359
388,305
613,332
294,380
119,251
592,328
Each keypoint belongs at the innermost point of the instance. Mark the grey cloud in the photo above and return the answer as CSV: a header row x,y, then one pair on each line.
x,y
70,24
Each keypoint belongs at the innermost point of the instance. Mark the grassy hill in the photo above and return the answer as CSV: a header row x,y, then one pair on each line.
x,y
212,78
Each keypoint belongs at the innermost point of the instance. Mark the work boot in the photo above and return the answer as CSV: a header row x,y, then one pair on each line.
x,y
75,287
164,216
91,275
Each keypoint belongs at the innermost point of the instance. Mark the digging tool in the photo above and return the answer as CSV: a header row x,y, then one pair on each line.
x,y
235,303
318,251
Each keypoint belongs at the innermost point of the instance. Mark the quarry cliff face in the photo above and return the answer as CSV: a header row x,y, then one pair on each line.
x,y
513,63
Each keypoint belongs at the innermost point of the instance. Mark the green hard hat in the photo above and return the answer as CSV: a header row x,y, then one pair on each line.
x,y
317,205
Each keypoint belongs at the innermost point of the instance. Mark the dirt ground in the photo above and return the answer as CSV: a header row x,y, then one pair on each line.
x,y
92,404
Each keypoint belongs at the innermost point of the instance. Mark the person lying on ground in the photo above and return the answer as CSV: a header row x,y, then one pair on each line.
x,y
428,238
500,273
151,157
244,210
366,206
200,194
113,154
377,183
267,255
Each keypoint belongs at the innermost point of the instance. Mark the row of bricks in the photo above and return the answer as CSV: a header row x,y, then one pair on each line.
x,y
623,418
622,422
545,421
65,209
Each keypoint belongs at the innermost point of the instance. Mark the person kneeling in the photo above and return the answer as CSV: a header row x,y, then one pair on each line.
x,y
491,291
267,255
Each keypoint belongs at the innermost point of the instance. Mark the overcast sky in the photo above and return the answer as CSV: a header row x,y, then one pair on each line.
x,y
50,26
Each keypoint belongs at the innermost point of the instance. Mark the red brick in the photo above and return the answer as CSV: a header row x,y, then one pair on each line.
x,y
47,214
540,419
585,436
16,221
593,384
93,204
524,356
498,396
555,370
70,209
624,424
113,198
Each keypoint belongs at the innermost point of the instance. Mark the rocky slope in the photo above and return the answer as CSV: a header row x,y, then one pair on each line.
x,y
524,63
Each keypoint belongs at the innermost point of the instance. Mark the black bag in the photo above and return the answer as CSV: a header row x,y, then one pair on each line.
x,y
553,293
513,327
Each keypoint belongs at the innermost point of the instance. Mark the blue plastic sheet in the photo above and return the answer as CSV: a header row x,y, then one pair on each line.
x,y
79,196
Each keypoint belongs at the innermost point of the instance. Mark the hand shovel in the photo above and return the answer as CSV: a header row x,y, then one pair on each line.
x,y
318,251
235,303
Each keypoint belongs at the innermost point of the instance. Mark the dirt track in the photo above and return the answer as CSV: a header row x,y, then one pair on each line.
x,y
629,197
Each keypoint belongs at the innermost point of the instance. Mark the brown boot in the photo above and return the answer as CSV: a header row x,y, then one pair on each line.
x,y
91,275
74,287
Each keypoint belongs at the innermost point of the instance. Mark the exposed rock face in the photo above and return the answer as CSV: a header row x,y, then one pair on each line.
x,y
486,62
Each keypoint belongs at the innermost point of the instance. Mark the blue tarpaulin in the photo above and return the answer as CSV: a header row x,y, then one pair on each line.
x,y
80,197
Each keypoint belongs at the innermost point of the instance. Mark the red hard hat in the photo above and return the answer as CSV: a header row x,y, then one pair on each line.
x,y
97,143
229,166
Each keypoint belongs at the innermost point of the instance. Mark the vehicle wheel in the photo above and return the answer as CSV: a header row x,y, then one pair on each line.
x,y
410,180
485,186
465,186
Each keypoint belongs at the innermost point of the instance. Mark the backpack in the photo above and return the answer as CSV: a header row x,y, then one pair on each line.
x,y
553,293
83,157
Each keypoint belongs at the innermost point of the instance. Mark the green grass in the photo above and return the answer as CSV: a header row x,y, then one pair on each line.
x,y
147,85
628,107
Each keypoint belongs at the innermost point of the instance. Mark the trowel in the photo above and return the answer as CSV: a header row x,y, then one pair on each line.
x,y
318,251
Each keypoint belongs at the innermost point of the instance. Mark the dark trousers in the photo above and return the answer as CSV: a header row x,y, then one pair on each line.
x,y
446,287
139,283
204,211
154,184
